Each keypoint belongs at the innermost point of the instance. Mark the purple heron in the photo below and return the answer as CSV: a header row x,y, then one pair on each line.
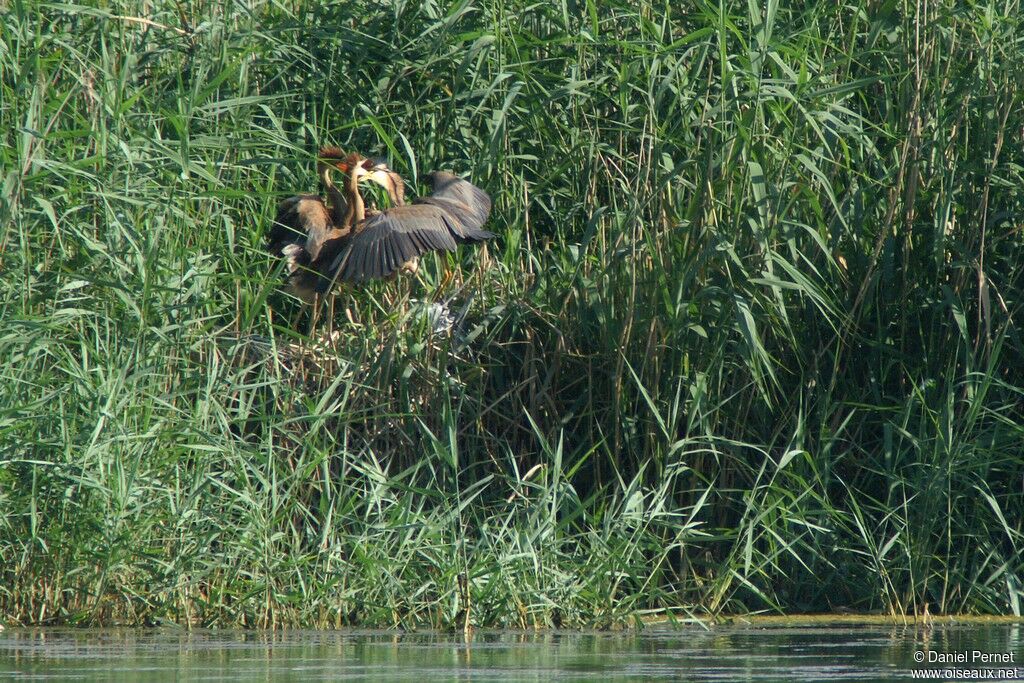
x,y
309,232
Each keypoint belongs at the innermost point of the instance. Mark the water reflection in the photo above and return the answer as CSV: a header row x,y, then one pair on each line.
x,y
810,653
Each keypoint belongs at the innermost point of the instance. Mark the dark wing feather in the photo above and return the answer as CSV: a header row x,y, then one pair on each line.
x,y
304,234
384,241
466,205
391,253
302,220
287,228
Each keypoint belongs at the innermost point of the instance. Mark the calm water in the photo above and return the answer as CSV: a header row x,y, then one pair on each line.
x,y
809,653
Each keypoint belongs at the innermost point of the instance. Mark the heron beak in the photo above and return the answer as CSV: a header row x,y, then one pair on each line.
x,y
358,170
363,169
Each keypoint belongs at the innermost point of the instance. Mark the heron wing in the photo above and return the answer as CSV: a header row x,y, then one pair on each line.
x,y
383,242
302,221
464,201
386,240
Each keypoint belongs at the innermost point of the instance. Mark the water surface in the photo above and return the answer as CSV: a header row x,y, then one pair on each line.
x,y
814,652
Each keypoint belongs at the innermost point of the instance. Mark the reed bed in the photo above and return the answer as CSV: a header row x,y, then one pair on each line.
x,y
747,340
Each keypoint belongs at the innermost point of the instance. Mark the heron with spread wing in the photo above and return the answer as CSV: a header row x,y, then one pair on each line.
x,y
386,242
308,231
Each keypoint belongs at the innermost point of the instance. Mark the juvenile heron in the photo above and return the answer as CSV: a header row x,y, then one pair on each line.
x,y
305,225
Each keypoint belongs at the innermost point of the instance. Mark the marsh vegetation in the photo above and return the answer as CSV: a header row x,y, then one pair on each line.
x,y
748,338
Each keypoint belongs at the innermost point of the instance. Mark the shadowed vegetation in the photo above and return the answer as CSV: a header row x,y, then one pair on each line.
x,y
747,339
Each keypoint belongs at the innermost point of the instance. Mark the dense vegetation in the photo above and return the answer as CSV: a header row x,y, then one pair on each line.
x,y
748,338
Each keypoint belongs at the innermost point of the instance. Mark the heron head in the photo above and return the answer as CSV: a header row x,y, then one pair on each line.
x,y
377,170
354,165
330,159
331,153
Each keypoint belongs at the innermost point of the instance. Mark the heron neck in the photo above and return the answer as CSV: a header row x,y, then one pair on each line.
x,y
338,205
396,189
356,207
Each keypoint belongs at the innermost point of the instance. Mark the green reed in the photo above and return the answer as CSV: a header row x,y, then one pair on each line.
x,y
747,339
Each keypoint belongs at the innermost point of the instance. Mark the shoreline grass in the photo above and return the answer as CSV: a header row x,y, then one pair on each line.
x,y
747,340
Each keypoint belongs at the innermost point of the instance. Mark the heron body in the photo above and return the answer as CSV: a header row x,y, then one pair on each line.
x,y
309,232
